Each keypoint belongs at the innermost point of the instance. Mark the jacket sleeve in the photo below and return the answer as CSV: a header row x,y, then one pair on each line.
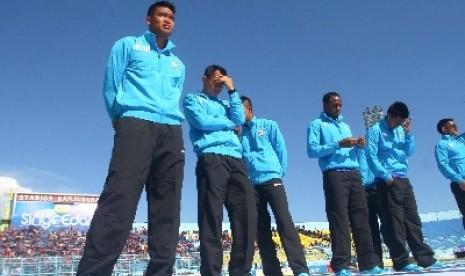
x,y
409,144
198,117
279,145
365,173
442,161
236,109
115,69
314,147
372,138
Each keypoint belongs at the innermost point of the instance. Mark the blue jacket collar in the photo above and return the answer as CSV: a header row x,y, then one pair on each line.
x,y
325,117
151,38
206,95
384,123
449,137
251,122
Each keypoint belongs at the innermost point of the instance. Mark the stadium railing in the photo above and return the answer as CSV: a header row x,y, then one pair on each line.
x,y
133,265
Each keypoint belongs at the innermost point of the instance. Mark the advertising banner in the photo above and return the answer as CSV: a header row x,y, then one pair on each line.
x,y
52,211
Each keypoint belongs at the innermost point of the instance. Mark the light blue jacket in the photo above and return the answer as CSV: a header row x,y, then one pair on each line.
x,y
368,178
450,157
140,82
265,152
388,150
212,123
323,135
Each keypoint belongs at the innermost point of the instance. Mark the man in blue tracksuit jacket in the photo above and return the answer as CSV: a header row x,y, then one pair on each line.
x,y
330,140
221,174
450,158
389,144
265,156
142,87
373,204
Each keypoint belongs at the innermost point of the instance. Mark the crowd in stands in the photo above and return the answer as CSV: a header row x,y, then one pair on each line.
x,y
35,242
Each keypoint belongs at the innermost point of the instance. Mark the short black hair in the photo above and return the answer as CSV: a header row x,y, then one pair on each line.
x,y
246,99
328,96
212,68
398,109
442,123
157,4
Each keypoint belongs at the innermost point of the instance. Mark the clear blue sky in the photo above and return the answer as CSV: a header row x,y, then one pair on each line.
x,y
55,135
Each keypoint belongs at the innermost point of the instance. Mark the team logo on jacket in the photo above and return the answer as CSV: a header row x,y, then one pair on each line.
x,y
261,132
202,101
174,64
142,48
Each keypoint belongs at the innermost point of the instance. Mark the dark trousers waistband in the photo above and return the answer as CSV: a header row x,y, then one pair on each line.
x,y
341,170
270,182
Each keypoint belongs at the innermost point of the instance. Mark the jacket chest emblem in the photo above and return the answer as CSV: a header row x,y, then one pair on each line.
x,y
261,132
202,101
174,64
141,48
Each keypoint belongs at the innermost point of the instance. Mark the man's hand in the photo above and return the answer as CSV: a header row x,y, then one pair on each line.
x,y
227,82
406,125
462,186
348,142
115,124
361,142
237,130
390,181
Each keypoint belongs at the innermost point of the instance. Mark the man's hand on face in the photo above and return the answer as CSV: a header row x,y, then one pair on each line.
x,y
406,125
226,81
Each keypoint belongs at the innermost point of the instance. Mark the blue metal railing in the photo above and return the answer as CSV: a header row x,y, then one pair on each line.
x,y
67,266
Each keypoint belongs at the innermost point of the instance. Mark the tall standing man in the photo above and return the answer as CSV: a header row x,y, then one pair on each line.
x,y
221,174
390,143
330,140
142,88
265,156
450,158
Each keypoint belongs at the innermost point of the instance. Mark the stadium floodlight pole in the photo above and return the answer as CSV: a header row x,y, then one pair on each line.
x,y
372,115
